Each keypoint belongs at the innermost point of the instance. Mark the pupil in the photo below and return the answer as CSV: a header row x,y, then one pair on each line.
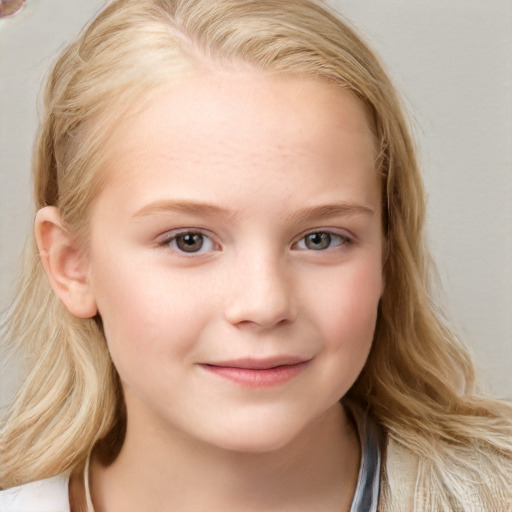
x,y
190,242
318,241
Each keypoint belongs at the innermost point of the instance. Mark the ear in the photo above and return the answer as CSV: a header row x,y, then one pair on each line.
x,y
65,264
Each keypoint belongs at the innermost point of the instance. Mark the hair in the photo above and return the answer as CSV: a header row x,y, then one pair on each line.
x,y
418,381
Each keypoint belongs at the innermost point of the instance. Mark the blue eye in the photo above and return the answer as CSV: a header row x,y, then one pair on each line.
x,y
320,241
190,242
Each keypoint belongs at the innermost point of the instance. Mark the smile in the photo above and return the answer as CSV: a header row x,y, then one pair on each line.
x,y
254,373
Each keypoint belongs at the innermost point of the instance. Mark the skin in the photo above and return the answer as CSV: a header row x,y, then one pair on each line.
x,y
250,165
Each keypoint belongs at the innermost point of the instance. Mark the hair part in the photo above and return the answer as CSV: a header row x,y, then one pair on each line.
x,y
418,380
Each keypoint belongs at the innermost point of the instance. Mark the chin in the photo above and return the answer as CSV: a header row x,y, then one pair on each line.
x,y
258,437
256,444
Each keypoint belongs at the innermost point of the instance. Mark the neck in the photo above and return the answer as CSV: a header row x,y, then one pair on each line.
x,y
160,472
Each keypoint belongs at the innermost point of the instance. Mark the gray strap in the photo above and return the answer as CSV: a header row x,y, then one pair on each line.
x,y
366,497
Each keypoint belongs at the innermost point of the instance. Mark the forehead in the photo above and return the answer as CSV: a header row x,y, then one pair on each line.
x,y
230,125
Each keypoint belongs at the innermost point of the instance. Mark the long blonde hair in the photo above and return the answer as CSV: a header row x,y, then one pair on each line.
x,y
418,380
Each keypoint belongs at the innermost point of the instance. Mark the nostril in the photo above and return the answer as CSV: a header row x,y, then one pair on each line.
x,y
260,314
262,296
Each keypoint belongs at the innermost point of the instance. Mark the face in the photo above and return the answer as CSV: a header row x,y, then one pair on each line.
x,y
236,257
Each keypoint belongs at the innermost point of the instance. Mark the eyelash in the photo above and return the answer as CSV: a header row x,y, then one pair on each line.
x,y
173,239
342,240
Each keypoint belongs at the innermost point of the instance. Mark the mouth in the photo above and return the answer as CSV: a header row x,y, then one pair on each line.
x,y
258,373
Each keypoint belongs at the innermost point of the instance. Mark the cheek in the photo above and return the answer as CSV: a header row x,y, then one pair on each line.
x,y
347,309
148,314
132,305
353,317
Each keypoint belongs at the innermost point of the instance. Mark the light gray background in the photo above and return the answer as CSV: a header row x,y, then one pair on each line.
x,y
451,59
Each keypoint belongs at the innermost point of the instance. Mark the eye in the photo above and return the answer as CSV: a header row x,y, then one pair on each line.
x,y
190,242
321,240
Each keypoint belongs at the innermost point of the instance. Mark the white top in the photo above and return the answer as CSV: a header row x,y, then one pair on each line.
x,y
50,495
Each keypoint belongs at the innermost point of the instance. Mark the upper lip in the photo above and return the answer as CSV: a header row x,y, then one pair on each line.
x,y
250,363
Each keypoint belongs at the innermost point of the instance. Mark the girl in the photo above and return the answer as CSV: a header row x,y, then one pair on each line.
x,y
228,307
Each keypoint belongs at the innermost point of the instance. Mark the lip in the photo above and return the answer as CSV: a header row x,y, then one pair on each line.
x,y
258,373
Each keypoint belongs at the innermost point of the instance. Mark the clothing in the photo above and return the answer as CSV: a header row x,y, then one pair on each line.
x,y
366,496
406,486
52,495
411,484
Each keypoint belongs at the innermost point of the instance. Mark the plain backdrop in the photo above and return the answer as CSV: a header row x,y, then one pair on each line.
x,y
452,62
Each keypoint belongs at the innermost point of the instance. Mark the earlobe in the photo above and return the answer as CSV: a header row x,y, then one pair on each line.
x,y
65,264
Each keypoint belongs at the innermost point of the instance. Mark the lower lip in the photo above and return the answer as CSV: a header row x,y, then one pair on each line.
x,y
261,378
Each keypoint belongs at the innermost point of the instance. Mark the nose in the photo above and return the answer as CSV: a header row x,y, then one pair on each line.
x,y
261,294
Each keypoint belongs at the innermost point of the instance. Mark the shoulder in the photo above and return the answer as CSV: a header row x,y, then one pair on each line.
x,y
398,480
50,495
458,480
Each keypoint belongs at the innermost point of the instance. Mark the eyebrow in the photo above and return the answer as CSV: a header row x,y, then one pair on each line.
x,y
330,210
212,210
184,207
